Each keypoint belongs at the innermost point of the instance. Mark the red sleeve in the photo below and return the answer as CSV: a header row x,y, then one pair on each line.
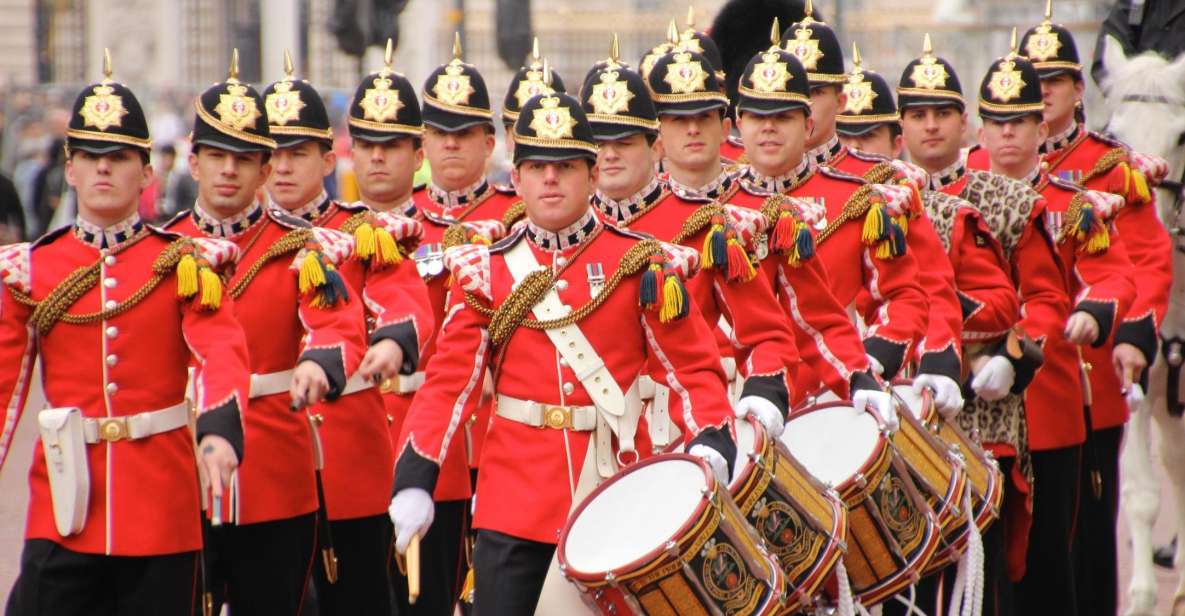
x,y
827,340
222,373
899,308
1150,251
1044,302
17,354
759,326
939,351
335,336
397,299
1105,289
987,296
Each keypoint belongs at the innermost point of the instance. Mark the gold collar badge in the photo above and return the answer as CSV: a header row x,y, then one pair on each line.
x,y
611,96
684,75
770,75
103,109
1006,82
552,121
283,104
805,48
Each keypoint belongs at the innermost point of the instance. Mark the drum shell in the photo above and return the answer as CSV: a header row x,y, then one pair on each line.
x,y
665,582
792,496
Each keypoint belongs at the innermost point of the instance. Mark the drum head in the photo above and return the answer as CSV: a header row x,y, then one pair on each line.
x,y
912,400
833,443
634,514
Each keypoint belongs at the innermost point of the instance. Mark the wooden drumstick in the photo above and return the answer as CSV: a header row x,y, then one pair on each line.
x,y
413,570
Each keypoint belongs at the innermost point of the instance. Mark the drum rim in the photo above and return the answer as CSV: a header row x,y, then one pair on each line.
x,y
881,444
598,578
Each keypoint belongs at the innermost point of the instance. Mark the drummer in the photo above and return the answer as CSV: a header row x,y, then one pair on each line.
x,y
540,456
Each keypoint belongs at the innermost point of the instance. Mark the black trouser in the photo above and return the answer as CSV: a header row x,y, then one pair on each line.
x,y
1048,585
997,588
260,568
362,546
508,573
55,581
1095,557
441,564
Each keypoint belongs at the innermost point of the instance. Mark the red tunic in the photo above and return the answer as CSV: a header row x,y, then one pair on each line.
x,y
144,496
283,328
527,473
732,151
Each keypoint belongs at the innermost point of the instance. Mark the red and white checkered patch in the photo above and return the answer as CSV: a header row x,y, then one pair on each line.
x,y
470,267
808,211
1154,168
682,259
1105,204
747,224
402,228
217,252
491,230
911,172
14,267
898,199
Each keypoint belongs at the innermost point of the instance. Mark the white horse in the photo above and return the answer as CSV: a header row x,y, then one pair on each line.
x,y
1145,96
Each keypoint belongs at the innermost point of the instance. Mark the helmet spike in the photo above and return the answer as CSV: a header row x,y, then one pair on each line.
x,y
775,33
289,68
233,71
614,49
457,46
106,64
927,46
389,53
856,61
673,33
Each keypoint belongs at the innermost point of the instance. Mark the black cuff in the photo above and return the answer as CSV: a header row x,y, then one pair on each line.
x,y
890,354
771,387
945,363
331,362
1104,313
1141,334
415,471
225,421
1026,358
718,439
969,306
863,381
403,334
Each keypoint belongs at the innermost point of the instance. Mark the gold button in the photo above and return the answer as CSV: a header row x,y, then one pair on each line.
x,y
110,304
109,283
563,362
109,260
112,331
561,285
112,388
569,388
561,261
112,360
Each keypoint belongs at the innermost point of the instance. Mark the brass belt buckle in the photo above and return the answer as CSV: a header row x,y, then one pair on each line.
x,y
112,429
557,417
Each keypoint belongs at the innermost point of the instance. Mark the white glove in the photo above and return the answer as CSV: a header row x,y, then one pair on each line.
x,y
875,364
714,460
1135,395
411,512
878,403
994,380
948,397
764,411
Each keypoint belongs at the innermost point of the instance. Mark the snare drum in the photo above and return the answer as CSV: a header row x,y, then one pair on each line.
x,y
802,523
937,472
663,537
983,474
892,532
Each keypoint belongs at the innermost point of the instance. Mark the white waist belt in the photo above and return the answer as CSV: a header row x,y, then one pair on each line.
x,y
280,382
539,415
132,427
402,384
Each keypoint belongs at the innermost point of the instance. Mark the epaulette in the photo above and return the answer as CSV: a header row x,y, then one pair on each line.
x,y
287,220
1087,219
14,267
469,265
505,189
197,265
1107,140
318,260
514,213
1063,183
49,237
162,231
886,210
510,240
722,247
790,222
836,174
682,260
868,157
356,206
473,232
176,219
629,233
382,239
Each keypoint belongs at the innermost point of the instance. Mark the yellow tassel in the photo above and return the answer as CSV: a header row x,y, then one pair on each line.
x,y
388,249
211,289
874,224
1098,241
467,587
672,299
187,277
1141,185
364,241
479,239
311,274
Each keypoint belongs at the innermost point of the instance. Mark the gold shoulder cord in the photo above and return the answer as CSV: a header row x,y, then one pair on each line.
x,y
513,311
49,311
856,206
290,242
880,173
352,223
699,219
645,209
1105,163
517,210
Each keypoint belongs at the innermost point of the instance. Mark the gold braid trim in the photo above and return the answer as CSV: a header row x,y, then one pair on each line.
x,y
49,311
512,313
856,206
1105,163
513,213
771,209
290,242
353,222
454,236
699,219
880,173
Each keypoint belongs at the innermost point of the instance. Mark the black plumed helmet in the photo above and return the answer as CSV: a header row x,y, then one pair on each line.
x,y
741,31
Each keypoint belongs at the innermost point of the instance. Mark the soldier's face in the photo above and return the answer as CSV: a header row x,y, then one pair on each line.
x,y
555,193
458,158
1060,94
933,135
108,185
626,165
1012,145
826,101
227,181
774,143
385,171
879,140
692,142
298,173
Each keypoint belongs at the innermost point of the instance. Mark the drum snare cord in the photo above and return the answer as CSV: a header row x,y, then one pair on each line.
x,y
967,595
845,607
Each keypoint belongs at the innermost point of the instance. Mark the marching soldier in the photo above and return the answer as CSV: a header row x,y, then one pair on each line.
x,y
1095,260
386,147
355,443
534,78
116,310
631,196
869,122
536,467
306,335
1088,158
